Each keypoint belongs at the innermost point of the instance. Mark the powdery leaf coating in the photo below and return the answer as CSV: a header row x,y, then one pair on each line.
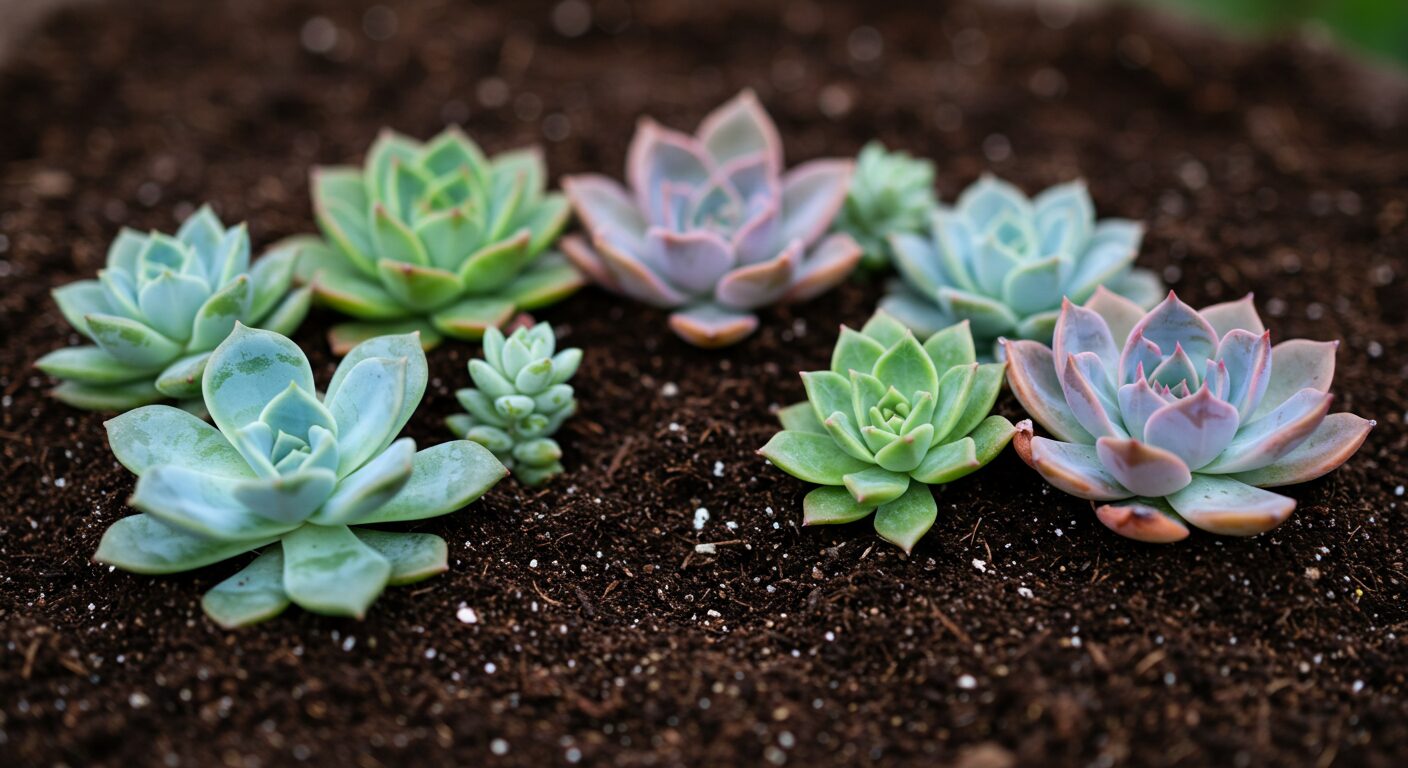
x,y
1177,417
287,468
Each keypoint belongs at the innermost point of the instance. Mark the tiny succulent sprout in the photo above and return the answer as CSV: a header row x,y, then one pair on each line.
x,y
437,238
1004,262
1177,417
519,399
891,417
711,227
160,306
891,194
292,474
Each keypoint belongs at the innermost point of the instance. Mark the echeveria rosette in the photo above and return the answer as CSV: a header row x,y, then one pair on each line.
x,y
1179,417
294,473
161,305
891,193
1004,262
711,227
435,237
520,399
891,417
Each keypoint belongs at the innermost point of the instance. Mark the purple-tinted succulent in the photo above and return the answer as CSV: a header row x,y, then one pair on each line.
x,y
1178,417
711,226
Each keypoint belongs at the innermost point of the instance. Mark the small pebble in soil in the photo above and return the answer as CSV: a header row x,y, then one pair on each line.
x,y
669,389
466,615
498,747
718,469
701,516
967,682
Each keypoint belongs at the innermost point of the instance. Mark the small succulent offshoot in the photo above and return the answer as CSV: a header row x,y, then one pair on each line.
x,y
711,227
1004,262
892,193
520,398
293,474
437,238
160,306
892,417
1179,417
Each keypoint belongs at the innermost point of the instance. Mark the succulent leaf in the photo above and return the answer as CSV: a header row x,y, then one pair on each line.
x,y
253,595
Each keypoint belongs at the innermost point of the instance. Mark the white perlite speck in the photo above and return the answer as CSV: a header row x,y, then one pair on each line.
x,y
705,549
701,516
967,682
466,615
1024,592
981,565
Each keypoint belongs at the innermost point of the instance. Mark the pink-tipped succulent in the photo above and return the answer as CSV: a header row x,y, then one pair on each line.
x,y
711,226
1178,417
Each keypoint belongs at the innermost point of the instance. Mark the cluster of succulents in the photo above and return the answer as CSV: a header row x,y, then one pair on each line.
x,y
1178,417
160,306
1004,262
889,419
520,398
891,194
711,227
435,237
293,474
1164,418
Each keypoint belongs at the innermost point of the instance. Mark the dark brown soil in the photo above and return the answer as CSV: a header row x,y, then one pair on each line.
x,y
1019,632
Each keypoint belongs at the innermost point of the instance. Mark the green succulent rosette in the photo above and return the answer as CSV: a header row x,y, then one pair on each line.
x,y
161,305
891,417
435,238
520,399
891,193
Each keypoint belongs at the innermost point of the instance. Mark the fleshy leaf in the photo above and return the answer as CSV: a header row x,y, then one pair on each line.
x,y
810,457
201,504
366,407
1144,469
132,343
370,487
904,521
1330,445
874,486
159,435
908,368
253,595
89,365
832,506
1143,519
444,478
143,544
1229,507
413,556
248,370
328,570
1075,469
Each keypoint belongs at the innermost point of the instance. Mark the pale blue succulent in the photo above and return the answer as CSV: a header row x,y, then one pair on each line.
x,y
521,397
159,308
891,193
295,474
1004,262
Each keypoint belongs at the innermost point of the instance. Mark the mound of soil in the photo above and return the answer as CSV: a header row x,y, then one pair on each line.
x,y
580,623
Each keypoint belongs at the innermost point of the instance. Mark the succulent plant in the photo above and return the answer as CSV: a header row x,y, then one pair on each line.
x,y
892,193
294,474
1004,262
711,227
159,308
1178,417
889,419
520,398
435,232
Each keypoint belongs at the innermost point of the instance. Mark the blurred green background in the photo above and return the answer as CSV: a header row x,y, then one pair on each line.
x,y
1378,28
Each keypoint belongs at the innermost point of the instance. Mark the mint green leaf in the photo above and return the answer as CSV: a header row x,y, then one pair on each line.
x,y
143,544
159,435
904,521
874,486
810,457
330,571
444,478
253,595
413,556
829,506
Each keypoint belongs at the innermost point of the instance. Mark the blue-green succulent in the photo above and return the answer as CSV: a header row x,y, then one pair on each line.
x,y
1004,262
294,474
520,398
891,193
435,237
891,417
161,305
